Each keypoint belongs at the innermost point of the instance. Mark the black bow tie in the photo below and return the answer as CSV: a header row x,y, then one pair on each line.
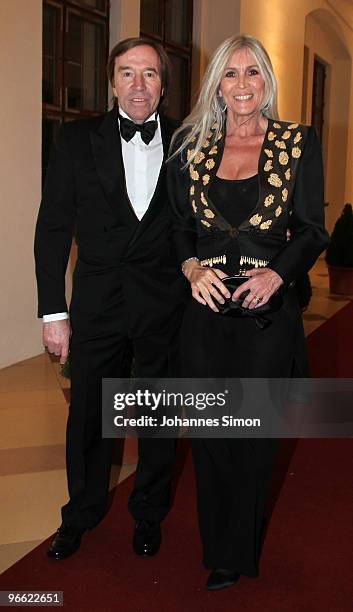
x,y
128,129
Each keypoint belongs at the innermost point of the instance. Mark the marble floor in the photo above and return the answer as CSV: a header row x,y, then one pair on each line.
x,y
33,412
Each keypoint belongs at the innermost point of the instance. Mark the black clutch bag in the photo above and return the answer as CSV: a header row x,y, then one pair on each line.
x,y
235,309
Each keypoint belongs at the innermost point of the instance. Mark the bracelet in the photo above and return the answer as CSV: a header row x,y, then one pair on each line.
x,y
186,261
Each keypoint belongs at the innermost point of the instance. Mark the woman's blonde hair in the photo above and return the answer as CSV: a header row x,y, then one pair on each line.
x,y
210,106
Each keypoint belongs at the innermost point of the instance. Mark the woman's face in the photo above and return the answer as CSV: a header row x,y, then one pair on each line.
x,y
242,85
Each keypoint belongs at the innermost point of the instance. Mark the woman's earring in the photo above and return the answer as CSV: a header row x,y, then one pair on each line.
x,y
220,98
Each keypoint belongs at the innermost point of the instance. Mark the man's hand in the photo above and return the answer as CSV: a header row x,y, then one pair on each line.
x,y
56,336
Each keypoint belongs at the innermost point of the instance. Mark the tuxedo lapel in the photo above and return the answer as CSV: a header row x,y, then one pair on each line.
x,y
156,201
106,149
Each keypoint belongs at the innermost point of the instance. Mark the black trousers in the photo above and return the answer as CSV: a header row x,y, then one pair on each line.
x,y
233,474
88,455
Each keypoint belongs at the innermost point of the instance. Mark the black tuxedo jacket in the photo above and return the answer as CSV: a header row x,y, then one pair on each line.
x,y
123,263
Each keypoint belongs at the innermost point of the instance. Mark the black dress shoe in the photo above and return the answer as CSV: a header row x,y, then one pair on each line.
x,y
65,542
221,578
147,538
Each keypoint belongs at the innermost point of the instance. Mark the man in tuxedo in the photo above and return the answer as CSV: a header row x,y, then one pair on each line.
x,y
106,184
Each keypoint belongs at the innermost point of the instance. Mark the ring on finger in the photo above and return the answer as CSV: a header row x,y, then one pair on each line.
x,y
257,299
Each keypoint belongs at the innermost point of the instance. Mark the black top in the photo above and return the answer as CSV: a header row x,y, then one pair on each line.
x,y
234,199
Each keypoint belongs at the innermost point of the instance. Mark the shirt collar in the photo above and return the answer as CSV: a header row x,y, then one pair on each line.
x,y
153,117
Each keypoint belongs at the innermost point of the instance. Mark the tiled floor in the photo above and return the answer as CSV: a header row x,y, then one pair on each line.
x,y
33,413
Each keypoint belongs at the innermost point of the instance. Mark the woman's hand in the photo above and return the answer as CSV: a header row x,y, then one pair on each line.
x,y
263,283
206,284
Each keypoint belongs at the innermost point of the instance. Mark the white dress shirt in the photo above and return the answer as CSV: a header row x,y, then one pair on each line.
x,y
142,164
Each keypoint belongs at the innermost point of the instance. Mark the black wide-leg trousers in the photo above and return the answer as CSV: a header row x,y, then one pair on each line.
x,y
88,455
233,474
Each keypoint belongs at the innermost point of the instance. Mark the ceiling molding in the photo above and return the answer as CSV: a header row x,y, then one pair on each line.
x,y
344,11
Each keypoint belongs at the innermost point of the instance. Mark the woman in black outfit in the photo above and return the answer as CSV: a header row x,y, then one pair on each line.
x,y
239,178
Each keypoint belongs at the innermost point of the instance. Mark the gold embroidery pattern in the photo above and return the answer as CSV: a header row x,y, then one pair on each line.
x,y
189,153
283,158
204,161
278,163
274,180
266,224
269,200
297,137
280,137
193,173
199,157
210,163
255,219
214,261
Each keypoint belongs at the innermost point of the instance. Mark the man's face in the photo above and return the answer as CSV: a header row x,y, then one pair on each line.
x,y
137,82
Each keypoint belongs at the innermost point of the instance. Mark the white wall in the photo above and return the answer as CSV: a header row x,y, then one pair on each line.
x,y
20,167
214,20
124,20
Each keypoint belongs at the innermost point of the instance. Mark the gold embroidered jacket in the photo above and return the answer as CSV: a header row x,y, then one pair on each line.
x,y
291,197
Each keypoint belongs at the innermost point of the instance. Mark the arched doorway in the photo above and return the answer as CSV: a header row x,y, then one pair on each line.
x,y
326,99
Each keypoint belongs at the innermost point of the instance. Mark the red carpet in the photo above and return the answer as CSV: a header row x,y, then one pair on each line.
x,y
307,562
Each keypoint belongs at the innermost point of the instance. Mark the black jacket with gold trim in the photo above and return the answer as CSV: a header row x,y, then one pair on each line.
x,y
291,196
